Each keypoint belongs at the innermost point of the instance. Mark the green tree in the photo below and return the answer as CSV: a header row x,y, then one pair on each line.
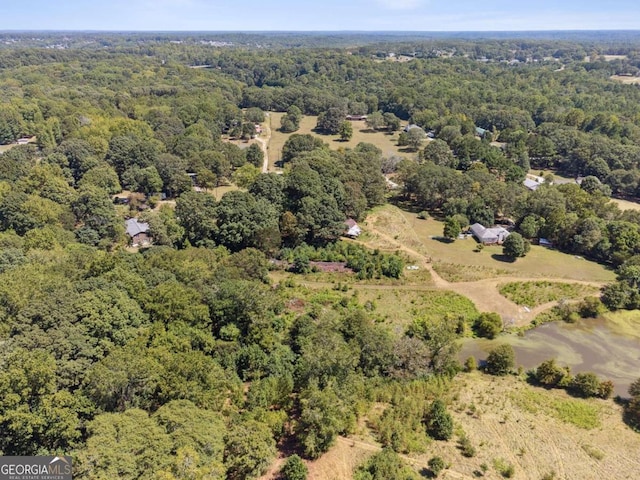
x,y
488,325
102,176
294,469
249,449
244,176
451,228
391,121
375,120
438,152
191,427
291,121
322,418
345,131
550,374
500,360
243,221
330,120
127,445
255,155
34,416
438,421
584,384
297,144
436,465
415,137
254,115
515,246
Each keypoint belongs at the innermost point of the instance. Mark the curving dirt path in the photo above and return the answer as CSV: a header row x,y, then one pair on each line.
x,y
264,144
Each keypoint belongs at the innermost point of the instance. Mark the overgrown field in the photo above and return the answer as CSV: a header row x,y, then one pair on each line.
x,y
532,294
539,433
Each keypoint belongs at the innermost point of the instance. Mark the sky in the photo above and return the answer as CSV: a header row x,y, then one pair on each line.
x,y
323,15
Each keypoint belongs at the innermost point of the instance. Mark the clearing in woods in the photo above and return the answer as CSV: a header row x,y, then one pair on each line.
x,y
361,133
389,228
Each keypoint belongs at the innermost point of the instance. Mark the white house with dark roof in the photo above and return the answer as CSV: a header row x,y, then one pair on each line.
x,y
489,236
138,232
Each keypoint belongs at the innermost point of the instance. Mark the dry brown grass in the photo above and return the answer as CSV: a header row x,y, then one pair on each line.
x,y
505,418
534,436
625,79
626,204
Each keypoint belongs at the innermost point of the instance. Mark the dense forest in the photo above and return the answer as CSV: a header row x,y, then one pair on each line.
x,y
186,356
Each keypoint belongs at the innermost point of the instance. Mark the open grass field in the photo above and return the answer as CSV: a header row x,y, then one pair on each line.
x,y
382,140
6,148
625,79
626,204
218,192
423,236
542,434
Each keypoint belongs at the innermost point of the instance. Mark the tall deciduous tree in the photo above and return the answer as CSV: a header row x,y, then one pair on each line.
x,y
249,449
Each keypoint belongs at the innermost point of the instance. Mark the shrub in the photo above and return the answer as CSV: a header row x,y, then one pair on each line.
x,y
488,325
470,364
436,465
500,360
465,446
550,374
294,469
585,384
504,468
591,307
605,390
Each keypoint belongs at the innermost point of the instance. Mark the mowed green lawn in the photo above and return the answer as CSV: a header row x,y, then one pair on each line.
x,y
539,262
385,142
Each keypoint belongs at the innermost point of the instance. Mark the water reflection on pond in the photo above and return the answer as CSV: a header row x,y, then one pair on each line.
x,y
590,345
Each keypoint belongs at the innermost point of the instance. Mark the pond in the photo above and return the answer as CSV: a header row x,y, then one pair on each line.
x,y
590,345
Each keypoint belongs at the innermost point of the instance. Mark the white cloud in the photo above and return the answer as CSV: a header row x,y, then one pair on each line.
x,y
400,4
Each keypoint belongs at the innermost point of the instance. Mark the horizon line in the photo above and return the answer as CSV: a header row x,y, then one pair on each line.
x,y
47,30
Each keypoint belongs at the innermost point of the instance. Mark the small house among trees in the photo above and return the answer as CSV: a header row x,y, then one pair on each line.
x,y
352,228
489,236
138,233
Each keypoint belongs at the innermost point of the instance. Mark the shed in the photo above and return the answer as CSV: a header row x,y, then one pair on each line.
x,y
138,232
531,184
352,228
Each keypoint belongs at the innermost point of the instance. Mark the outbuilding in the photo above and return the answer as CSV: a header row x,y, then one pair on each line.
x,y
489,236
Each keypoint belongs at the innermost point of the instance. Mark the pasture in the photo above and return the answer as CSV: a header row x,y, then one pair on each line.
x,y
424,236
384,141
